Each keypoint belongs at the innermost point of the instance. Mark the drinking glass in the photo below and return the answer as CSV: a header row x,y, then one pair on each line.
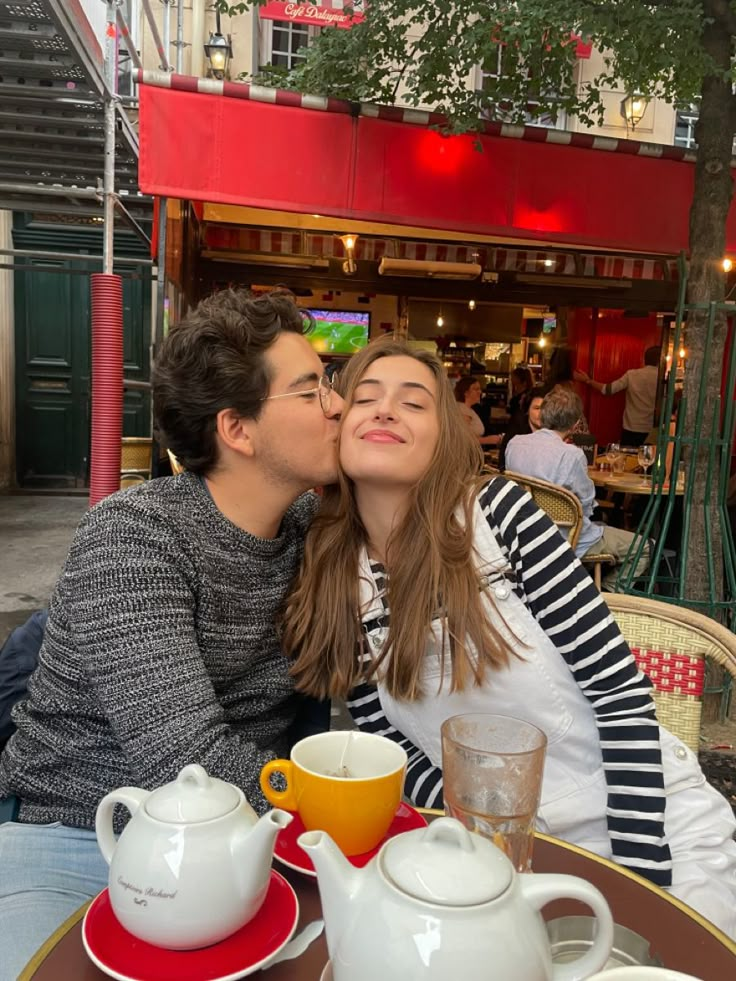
x,y
492,768
645,458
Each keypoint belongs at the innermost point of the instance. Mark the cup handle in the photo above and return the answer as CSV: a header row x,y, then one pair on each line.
x,y
279,798
541,889
130,797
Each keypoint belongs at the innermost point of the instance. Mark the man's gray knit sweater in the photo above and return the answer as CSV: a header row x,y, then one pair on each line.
x,y
160,650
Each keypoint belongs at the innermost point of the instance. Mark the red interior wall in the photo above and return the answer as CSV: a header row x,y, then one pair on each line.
x,y
605,346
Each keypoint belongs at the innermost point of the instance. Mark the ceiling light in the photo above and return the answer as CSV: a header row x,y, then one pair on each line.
x,y
727,264
471,304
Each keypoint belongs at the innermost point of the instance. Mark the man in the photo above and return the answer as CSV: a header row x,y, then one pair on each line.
x,y
640,385
161,648
546,455
529,422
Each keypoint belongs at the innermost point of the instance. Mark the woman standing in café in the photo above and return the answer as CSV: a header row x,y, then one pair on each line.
x,y
448,593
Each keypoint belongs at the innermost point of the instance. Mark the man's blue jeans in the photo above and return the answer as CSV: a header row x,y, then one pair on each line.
x,y
46,872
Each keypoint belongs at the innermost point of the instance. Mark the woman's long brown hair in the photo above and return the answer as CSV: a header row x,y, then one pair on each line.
x,y
430,565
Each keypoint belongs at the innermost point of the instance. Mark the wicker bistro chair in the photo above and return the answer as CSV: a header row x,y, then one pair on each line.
x,y
594,564
670,645
561,505
135,460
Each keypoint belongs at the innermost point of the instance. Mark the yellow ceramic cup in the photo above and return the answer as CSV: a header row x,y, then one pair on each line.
x,y
356,810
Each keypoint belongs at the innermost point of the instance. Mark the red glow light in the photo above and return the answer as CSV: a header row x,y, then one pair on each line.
x,y
443,154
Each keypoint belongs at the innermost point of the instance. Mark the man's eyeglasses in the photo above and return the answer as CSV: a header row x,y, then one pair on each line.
x,y
324,389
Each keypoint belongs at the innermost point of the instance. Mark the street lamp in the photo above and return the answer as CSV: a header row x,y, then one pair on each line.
x,y
219,51
633,107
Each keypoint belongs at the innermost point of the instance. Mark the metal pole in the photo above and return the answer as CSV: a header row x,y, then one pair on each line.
x,y
127,39
167,30
59,192
255,46
161,282
111,86
162,52
180,44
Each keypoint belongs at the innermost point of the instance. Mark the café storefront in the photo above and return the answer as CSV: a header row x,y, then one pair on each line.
x,y
264,187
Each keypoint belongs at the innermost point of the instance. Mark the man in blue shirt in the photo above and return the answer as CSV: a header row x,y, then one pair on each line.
x,y
546,455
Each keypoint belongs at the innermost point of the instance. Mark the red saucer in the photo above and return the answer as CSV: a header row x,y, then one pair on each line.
x,y
288,852
121,955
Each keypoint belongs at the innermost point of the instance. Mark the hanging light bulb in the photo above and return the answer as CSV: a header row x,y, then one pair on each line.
x,y
440,321
542,342
471,304
727,264
682,353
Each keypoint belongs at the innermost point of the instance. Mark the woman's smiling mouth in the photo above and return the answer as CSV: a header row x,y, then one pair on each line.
x,y
382,436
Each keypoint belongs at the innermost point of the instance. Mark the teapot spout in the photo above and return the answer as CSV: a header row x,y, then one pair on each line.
x,y
252,849
338,881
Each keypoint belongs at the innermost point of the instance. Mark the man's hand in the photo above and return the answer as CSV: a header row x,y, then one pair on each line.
x,y
581,376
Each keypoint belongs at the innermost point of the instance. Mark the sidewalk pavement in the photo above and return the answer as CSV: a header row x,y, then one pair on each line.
x,y
35,534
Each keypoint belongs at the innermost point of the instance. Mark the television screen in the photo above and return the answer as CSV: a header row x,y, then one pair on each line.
x,y
339,331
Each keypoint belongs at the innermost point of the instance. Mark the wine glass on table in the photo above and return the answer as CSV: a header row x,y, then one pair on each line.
x,y
613,452
645,458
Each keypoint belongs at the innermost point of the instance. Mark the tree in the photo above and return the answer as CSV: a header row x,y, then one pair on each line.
x,y
681,51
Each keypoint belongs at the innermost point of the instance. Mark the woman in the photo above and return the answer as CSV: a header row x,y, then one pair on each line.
x,y
530,422
447,593
467,394
561,373
521,387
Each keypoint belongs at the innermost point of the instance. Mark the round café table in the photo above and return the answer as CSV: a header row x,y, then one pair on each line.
x,y
679,936
627,483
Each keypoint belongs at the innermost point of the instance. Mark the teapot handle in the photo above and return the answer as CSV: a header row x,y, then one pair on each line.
x,y
542,888
130,797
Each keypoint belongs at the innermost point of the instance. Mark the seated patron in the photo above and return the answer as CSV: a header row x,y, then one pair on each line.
x,y
546,455
160,647
522,426
522,384
467,394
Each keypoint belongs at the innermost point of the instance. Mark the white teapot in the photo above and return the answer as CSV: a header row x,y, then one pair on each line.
x,y
441,902
193,863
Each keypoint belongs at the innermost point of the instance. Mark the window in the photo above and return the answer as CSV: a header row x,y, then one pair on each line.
x,y
289,43
503,63
685,120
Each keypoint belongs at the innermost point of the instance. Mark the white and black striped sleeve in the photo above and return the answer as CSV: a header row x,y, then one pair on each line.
x,y
565,602
423,785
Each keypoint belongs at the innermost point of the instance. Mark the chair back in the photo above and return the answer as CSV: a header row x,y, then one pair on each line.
x,y
135,460
670,645
562,506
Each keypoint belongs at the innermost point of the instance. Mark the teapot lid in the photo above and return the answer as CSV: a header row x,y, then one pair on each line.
x,y
192,797
447,865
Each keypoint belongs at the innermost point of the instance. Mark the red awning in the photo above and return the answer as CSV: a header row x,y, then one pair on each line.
x,y
286,154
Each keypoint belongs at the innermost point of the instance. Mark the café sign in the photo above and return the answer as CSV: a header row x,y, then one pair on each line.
x,y
307,13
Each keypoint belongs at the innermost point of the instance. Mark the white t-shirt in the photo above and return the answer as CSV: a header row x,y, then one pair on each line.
x,y
641,396
472,419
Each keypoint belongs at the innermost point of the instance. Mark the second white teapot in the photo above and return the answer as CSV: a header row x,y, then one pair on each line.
x,y
441,902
